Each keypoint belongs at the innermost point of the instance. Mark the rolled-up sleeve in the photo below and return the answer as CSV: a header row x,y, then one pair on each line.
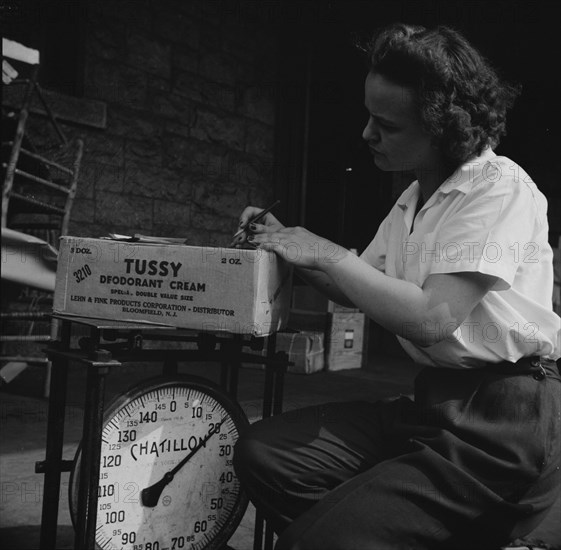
x,y
492,232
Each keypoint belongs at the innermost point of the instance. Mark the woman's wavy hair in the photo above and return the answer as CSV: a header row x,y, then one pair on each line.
x,y
461,99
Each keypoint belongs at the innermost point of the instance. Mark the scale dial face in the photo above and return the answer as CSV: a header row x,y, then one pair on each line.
x,y
167,480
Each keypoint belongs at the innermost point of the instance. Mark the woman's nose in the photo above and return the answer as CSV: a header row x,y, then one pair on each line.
x,y
370,132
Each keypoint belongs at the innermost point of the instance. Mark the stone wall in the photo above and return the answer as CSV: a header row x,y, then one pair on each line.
x,y
188,143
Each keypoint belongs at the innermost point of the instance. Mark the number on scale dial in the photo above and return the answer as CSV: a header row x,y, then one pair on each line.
x,y
166,475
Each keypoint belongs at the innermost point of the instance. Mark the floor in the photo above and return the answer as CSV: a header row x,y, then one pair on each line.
x,y
23,427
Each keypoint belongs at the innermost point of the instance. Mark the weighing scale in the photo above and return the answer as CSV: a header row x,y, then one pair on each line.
x,y
154,471
166,478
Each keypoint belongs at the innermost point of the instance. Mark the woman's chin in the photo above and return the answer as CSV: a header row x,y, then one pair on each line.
x,y
382,163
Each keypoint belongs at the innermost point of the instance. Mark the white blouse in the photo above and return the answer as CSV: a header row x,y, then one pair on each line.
x,y
487,217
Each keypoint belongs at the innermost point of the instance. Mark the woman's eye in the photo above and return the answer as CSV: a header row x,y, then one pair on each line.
x,y
389,128
381,124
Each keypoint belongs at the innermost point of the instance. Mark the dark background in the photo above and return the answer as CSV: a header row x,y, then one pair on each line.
x,y
320,113
521,39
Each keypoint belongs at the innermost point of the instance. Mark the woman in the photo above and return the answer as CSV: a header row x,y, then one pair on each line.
x,y
461,271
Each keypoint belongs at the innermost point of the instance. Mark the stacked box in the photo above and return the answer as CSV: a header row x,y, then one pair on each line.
x,y
305,351
202,288
346,341
345,328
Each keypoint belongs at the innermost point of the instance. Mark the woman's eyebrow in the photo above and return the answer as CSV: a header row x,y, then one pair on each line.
x,y
379,117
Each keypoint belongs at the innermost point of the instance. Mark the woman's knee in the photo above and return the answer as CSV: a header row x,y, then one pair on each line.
x,y
249,453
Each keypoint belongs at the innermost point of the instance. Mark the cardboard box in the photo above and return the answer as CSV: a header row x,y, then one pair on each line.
x,y
202,288
305,350
346,341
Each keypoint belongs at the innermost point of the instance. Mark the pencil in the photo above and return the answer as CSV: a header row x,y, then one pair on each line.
x,y
257,218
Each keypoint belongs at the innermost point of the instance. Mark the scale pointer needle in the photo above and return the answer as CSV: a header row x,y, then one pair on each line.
x,y
150,496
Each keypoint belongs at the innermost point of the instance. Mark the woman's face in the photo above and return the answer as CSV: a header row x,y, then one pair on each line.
x,y
394,131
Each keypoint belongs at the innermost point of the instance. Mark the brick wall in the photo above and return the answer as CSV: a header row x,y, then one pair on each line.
x,y
188,87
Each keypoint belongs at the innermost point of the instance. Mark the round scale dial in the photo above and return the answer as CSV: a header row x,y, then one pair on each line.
x,y
167,479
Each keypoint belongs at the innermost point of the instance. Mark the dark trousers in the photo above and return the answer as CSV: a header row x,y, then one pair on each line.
x,y
472,462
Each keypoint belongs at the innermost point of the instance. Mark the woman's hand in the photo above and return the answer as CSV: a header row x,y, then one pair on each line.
x,y
240,238
296,245
247,215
